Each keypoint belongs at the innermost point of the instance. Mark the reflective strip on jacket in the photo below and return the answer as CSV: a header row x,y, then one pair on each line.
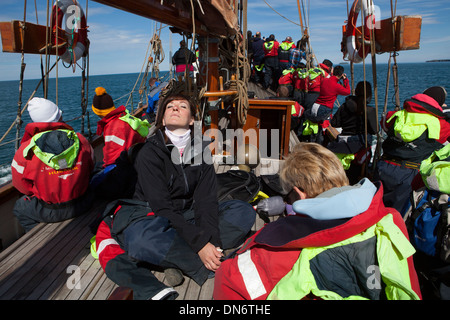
x,y
117,129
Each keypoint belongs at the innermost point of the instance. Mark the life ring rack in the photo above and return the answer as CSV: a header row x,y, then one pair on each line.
x,y
353,52
72,40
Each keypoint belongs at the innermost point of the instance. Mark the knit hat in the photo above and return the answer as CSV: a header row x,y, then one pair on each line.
x,y
43,110
437,93
102,103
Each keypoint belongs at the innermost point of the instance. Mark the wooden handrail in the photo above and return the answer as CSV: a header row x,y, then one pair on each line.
x,y
220,93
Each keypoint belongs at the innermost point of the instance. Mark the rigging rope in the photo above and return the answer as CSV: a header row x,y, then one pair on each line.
x,y
22,71
281,14
137,80
393,56
25,106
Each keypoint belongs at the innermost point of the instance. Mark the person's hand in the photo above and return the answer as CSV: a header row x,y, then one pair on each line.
x,y
210,256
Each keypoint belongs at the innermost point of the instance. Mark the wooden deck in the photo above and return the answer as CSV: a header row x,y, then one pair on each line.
x,y
53,261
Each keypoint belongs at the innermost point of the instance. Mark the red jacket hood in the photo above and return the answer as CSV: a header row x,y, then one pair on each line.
x,y
421,103
35,127
116,113
324,67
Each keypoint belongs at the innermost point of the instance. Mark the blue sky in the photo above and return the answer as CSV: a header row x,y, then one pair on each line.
x,y
119,40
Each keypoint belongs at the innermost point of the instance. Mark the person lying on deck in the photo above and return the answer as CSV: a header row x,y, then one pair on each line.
x,y
330,247
174,220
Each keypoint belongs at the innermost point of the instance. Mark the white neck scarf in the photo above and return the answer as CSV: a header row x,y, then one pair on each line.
x,y
180,141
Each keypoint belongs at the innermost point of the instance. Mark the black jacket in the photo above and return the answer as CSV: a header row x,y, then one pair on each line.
x,y
180,57
257,48
172,188
346,117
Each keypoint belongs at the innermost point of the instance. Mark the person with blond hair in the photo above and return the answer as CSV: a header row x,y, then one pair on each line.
x,y
338,242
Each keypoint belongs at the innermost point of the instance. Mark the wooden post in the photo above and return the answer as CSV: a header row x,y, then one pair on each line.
x,y
209,66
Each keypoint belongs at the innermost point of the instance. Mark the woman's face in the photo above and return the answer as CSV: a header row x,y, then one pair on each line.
x,y
178,115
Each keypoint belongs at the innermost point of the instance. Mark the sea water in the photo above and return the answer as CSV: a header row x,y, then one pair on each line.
x,y
124,89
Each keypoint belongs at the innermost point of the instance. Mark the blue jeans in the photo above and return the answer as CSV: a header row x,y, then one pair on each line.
x,y
152,240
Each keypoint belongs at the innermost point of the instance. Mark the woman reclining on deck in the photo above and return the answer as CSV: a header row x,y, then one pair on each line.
x,y
174,220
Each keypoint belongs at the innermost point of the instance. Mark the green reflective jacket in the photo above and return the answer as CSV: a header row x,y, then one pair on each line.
x,y
392,251
411,125
141,126
435,170
286,46
65,159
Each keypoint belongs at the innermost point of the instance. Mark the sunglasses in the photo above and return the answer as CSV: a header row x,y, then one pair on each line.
x,y
291,197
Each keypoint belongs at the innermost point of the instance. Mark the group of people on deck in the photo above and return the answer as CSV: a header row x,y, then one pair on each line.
x,y
283,68
163,212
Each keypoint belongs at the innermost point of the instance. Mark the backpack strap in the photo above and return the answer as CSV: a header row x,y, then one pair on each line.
x,y
443,233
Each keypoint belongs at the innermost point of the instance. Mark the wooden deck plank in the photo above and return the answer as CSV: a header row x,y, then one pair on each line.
x,y
24,262
192,291
43,261
58,292
12,250
103,289
207,290
90,282
60,278
62,249
12,258
89,272
182,289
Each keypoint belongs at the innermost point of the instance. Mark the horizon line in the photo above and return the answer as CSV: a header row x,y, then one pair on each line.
x,y
340,63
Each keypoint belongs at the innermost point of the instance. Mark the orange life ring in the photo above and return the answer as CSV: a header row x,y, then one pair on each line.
x,y
354,52
74,33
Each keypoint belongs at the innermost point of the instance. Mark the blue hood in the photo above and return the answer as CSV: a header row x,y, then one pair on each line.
x,y
338,203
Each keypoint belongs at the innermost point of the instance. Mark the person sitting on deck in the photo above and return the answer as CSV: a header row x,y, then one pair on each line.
x,y
120,131
300,80
155,87
174,220
152,99
52,168
183,60
351,145
330,247
315,77
287,80
296,109
414,133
